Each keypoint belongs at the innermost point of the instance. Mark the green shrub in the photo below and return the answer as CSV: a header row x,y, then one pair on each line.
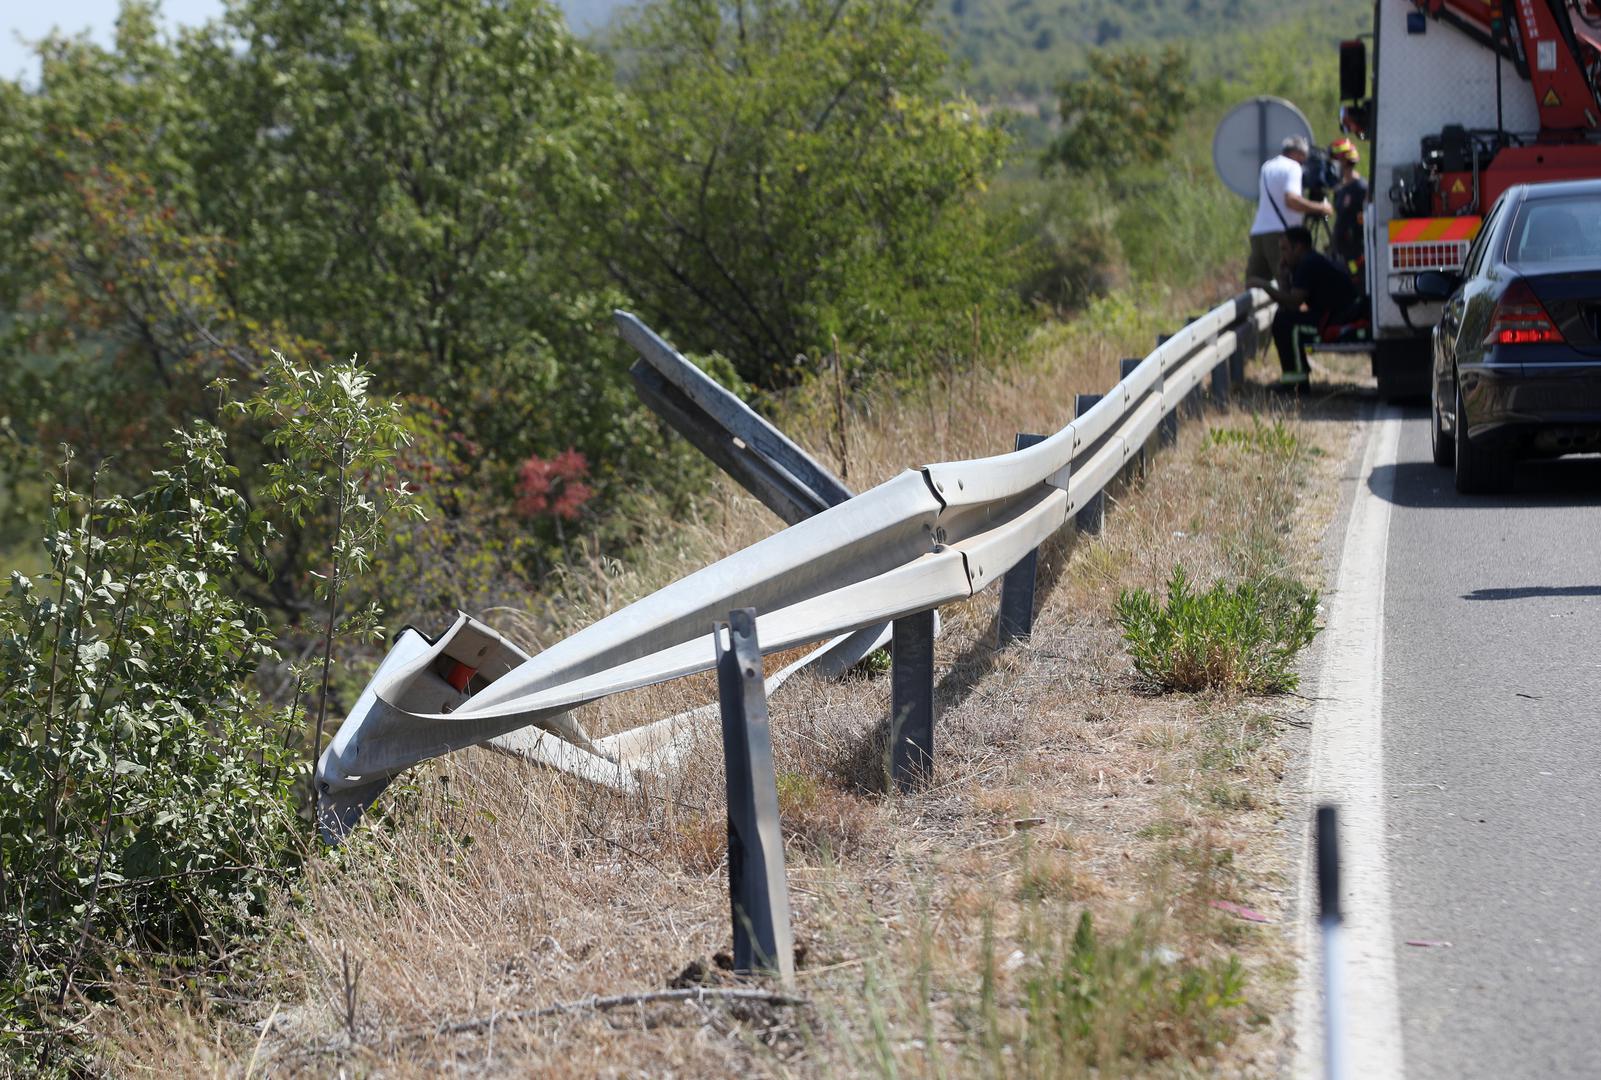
x,y
1065,238
1242,638
148,790
789,172
146,793
1275,440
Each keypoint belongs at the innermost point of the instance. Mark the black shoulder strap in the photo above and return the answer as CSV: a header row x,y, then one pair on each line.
x,y
1262,177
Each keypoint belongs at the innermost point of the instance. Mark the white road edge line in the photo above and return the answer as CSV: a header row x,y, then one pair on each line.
x,y
1346,768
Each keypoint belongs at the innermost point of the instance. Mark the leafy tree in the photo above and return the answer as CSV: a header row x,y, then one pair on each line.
x,y
404,175
1124,112
791,170
398,173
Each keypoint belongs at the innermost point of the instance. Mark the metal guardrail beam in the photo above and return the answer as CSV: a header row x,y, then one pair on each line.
x,y
769,465
924,538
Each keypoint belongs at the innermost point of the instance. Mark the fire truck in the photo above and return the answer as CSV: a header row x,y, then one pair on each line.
x,y
1468,98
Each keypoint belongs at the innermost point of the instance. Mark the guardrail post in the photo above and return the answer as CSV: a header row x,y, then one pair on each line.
x,y
1167,428
1015,620
911,696
757,891
1220,386
1092,514
1125,368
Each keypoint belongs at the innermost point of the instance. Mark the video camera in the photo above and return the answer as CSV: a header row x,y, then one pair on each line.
x,y
1319,175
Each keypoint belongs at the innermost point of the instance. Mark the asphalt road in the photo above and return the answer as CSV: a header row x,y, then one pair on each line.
x,y
1492,757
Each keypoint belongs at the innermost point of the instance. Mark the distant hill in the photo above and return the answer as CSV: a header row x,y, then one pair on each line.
x,y
1016,51
1021,49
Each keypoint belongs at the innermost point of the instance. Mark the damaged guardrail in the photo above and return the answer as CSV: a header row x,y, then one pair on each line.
x,y
927,537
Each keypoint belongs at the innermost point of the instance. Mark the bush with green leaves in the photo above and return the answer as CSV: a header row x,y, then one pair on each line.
x,y
146,793
1233,638
149,793
789,172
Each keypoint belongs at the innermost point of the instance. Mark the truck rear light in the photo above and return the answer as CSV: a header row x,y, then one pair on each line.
x,y
1520,319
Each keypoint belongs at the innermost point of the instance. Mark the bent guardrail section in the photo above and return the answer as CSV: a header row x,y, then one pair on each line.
x,y
927,537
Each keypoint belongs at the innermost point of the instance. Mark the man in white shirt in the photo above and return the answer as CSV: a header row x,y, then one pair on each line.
x,y
1279,206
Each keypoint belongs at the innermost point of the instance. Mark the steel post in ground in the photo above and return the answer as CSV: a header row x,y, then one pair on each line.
x,y
1136,464
1092,514
911,708
757,890
1218,391
1015,619
1167,429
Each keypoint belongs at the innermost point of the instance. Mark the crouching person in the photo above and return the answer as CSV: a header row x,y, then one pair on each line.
x,y
1317,302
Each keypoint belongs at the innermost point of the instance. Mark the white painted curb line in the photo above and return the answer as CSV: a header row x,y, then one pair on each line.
x,y
1346,768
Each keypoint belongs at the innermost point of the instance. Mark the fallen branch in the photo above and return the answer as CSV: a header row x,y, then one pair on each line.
x,y
600,1004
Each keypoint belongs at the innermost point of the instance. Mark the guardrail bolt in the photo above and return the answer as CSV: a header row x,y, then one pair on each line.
x,y
1016,617
1092,514
911,700
757,891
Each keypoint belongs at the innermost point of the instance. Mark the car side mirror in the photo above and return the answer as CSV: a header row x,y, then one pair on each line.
x,y
1436,284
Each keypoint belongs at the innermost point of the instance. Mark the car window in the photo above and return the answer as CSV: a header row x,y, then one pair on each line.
x,y
1470,265
1556,229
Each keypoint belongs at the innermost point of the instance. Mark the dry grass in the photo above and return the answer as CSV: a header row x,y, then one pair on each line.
x,y
931,922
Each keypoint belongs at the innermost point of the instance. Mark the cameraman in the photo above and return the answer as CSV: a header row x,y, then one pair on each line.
x,y
1279,207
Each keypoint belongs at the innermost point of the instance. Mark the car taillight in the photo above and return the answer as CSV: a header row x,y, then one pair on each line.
x,y
1520,319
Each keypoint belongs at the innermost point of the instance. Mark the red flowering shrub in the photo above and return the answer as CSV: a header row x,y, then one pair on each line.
x,y
555,487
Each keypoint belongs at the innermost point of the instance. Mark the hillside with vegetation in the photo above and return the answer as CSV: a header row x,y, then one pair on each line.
x,y
1020,50
307,336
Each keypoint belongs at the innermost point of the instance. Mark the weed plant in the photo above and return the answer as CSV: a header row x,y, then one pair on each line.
x,y
1235,638
1275,439
1106,1004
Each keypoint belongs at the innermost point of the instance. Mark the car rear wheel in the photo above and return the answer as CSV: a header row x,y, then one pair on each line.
x,y
1480,469
1440,443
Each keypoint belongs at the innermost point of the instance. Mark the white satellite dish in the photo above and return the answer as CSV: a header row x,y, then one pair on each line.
x,y
1252,132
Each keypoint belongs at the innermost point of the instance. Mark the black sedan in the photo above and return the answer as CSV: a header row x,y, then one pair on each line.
x,y
1517,352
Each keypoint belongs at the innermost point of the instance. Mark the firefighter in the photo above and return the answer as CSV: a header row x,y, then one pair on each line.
x,y
1350,202
1279,207
1318,304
